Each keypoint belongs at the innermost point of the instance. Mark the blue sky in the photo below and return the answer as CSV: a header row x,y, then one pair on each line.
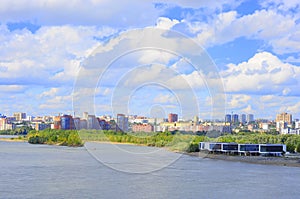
x,y
255,46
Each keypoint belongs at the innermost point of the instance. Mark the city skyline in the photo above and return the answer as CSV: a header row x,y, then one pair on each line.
x,y
253,44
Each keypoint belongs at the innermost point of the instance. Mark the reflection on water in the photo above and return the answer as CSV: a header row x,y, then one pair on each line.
x,y
41,171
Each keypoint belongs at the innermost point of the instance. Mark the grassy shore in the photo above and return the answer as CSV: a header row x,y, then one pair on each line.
x,y
14,139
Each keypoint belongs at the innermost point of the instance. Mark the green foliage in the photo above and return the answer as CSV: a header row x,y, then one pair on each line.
x,y
18,131
175,141
59,137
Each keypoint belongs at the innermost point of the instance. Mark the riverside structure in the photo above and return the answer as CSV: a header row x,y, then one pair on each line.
x,y
243,149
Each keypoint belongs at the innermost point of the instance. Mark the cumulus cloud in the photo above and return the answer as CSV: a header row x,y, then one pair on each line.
x,y
42,62
12,88
264,73
228,26
166,23
50,56
165,99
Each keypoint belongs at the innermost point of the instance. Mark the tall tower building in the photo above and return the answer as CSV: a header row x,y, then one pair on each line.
x,y
67,122
56,122
172,117
20,116
284,117
228,118
235,118
242,118
122,123
250,118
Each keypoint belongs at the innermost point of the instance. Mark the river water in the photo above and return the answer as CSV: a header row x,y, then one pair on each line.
x,y
42,171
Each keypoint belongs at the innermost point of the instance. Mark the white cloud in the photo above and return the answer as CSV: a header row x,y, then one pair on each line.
x,y
57,103
281,5
156,56
11,88
238,101
50,56
166,23
165,99
293,59
49,93
277,30
263,73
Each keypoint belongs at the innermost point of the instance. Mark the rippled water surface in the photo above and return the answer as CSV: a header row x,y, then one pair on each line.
x,y
41,171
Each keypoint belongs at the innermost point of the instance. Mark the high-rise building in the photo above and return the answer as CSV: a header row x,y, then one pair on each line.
x,y
196,119
172,117
83,124
235,118
122,123
76,122
5,124
250,118
56,122
92,122
67,122
20,116
228,118
284,117
242,118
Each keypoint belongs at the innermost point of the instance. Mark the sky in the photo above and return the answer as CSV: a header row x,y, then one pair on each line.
x,y
53,53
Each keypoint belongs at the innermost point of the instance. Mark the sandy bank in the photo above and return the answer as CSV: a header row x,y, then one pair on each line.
x,y
12,140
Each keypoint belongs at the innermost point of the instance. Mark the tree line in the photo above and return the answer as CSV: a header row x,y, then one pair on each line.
x,y
173,140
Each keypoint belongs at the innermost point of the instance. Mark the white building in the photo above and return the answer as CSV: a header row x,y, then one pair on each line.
x,y
297,125
290,131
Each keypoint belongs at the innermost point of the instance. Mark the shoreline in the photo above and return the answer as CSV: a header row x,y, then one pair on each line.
x,y
289,161
267,160
12,140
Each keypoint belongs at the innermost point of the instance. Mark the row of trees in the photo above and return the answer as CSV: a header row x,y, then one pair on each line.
x,y
59,137
174,141
18,131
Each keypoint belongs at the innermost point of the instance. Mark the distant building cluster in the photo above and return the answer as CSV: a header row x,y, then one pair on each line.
x,y
242,118
283,123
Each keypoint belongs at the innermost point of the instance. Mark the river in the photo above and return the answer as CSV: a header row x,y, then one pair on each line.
x,y
99,171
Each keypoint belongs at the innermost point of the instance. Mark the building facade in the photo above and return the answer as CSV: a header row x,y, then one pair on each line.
x,y
235,118
67,122
243,118
56,123
142,128
122,123
172,117
284,117
6,124
250,118
20,116
228,118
